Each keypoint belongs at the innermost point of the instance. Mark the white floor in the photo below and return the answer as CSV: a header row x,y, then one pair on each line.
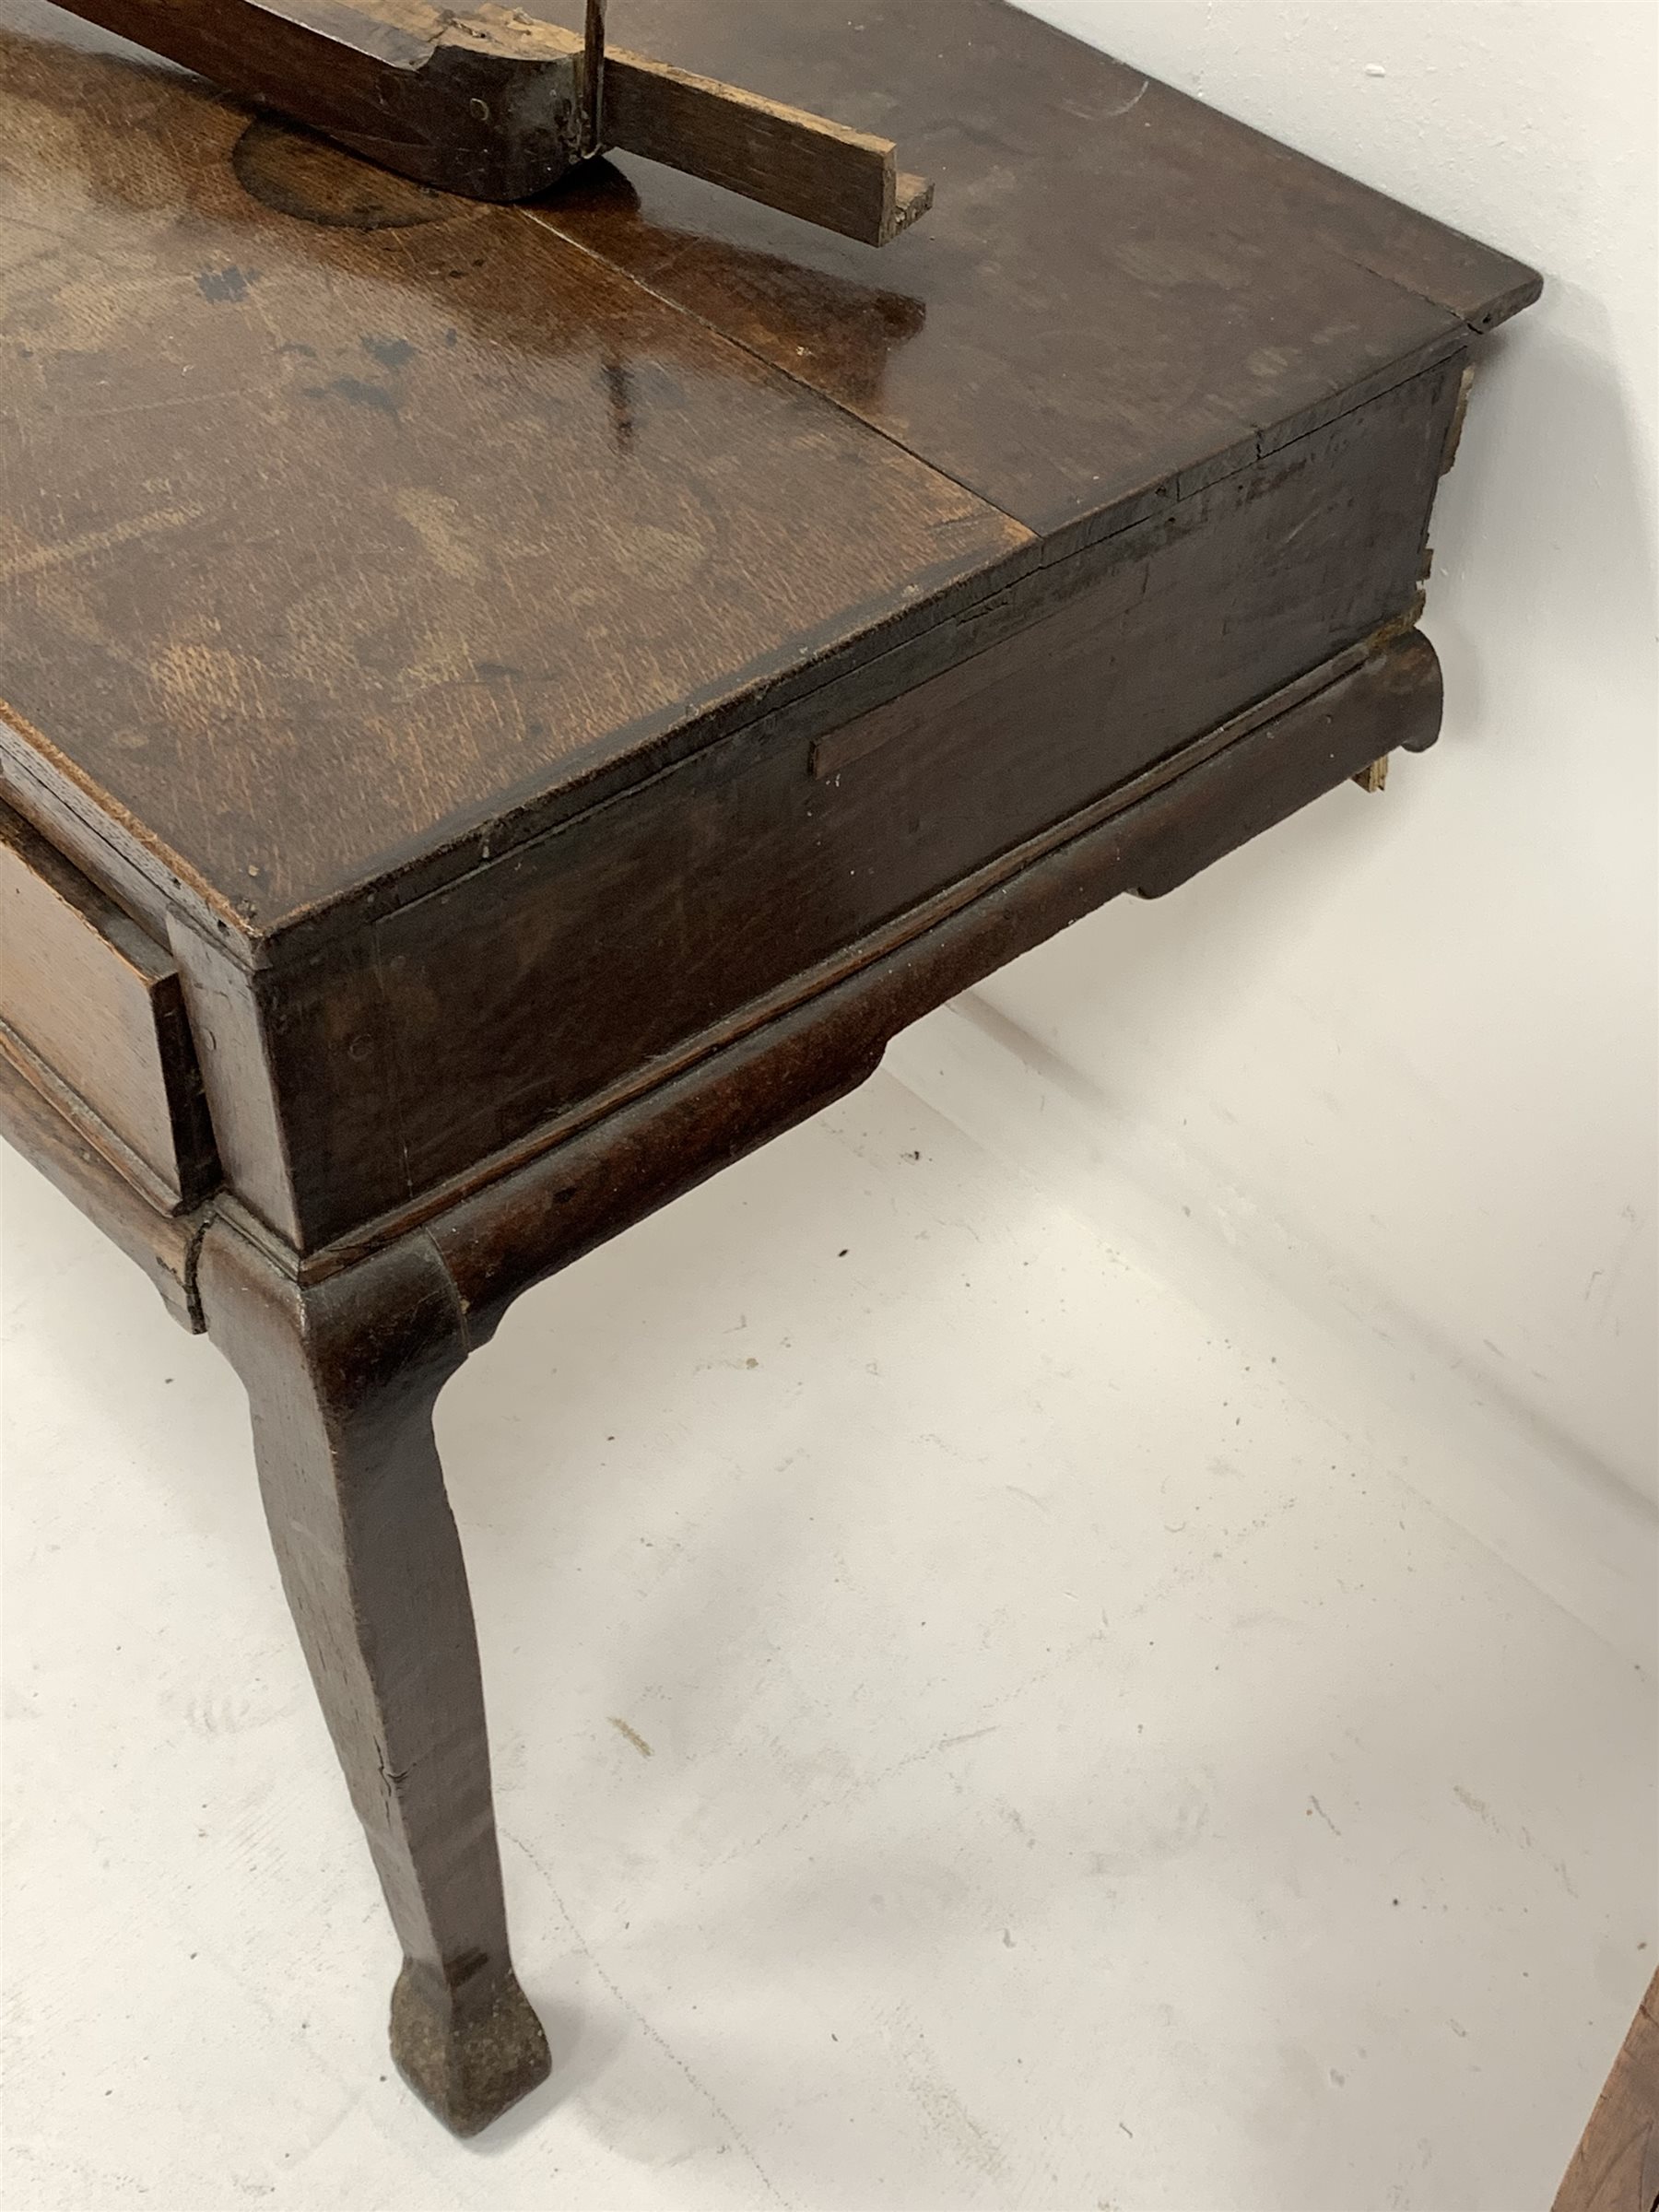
x,y
1086,1769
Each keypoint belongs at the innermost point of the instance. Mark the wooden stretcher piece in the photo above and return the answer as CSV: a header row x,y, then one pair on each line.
x,y
499,106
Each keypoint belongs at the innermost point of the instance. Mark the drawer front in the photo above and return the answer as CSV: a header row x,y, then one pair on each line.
x,y
92,1014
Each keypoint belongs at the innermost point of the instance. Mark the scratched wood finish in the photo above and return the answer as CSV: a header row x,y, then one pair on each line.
x,y
1616,2166
334,544
520,523
90,1003
1116,284
449,1030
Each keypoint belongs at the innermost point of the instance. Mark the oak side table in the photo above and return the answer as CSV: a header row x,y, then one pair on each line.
x,y
507,709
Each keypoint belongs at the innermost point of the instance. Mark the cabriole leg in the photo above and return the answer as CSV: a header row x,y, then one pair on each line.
x,y
341,1381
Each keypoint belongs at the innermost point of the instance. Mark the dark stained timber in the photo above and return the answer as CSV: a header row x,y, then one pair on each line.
x,y
492,103
1616,2166
504,710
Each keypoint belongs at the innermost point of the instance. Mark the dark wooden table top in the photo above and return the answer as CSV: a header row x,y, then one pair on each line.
x,y
344,527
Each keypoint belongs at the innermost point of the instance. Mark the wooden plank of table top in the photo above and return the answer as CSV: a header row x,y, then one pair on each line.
x,y
1616,2166
334,544
1114,282
508,997
456,520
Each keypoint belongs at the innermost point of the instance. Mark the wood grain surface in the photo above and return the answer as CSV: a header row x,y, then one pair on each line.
x,y
489,103
339,548
1116,284
485,102
1616,2166
327,545
457,1023
570,684
163,1243
503,1235
88,999
341,1382
804,166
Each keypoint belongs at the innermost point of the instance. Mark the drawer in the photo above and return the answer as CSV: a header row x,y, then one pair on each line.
x,y
92,1014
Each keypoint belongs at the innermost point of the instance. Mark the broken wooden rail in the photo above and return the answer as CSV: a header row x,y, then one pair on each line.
x,y
498,105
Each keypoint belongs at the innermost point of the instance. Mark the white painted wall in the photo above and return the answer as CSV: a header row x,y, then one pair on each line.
x,y
1402,1052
